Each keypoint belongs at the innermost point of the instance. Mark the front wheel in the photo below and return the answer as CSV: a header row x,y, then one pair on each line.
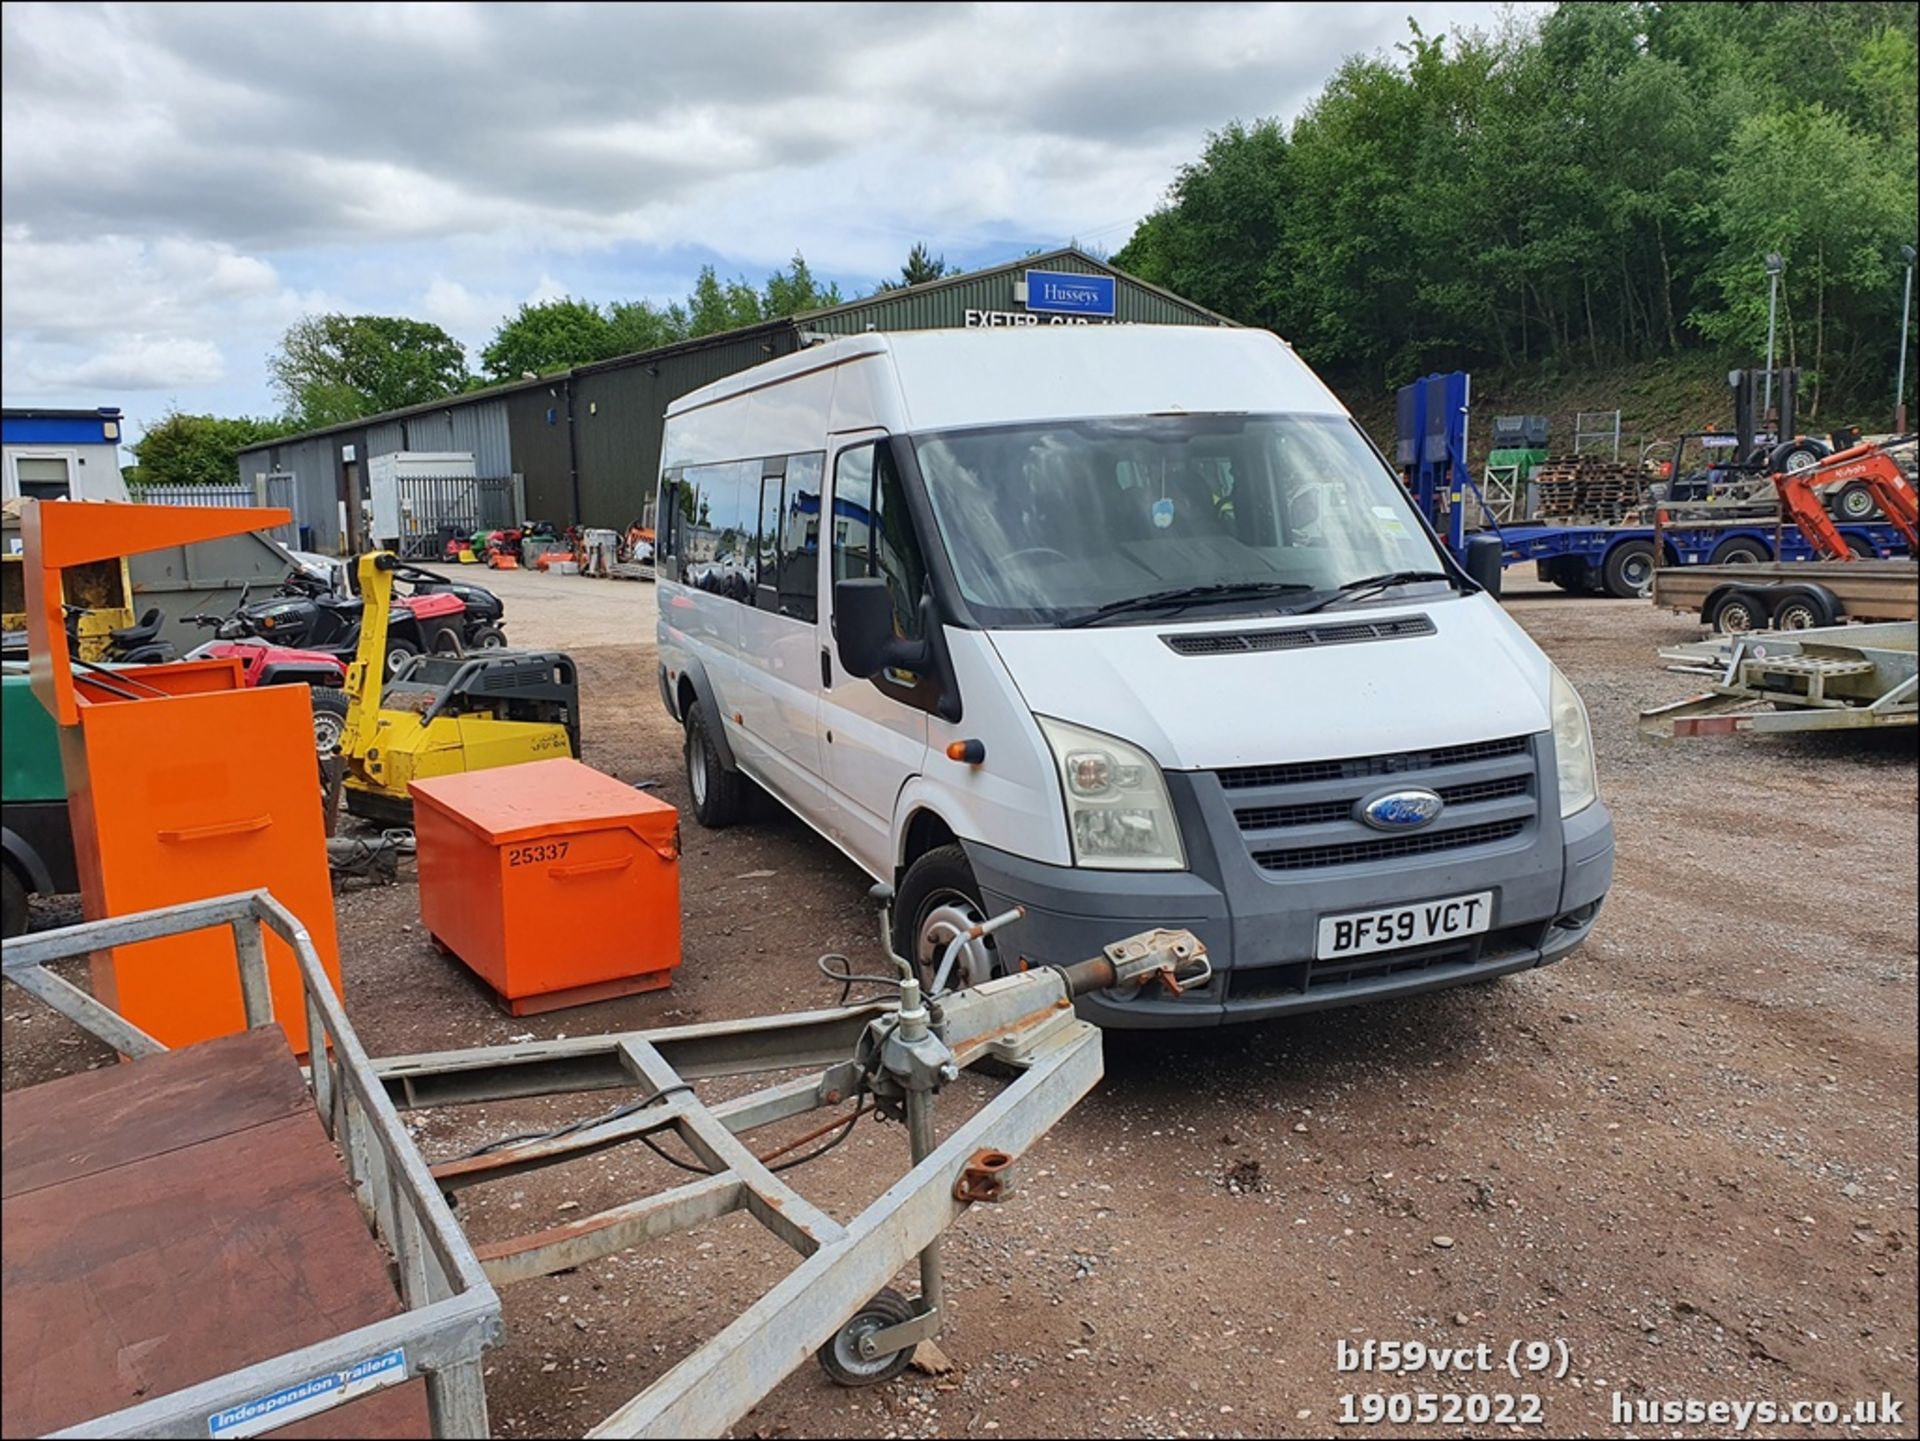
x,y
938,900
840,1358
399,651
487,637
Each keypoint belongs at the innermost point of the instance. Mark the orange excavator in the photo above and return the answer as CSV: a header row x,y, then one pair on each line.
x,y
1871,467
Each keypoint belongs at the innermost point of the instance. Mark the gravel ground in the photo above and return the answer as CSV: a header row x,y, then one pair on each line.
x,y
1687,1152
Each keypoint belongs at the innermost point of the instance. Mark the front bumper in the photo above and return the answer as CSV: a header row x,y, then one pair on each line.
x,y
1259,929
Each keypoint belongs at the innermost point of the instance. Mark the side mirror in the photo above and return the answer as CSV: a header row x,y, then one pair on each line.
x,y
1483,562
863,631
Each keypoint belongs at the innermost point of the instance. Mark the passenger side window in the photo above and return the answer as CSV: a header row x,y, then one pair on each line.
x,y
873,533
766,594
799,537
717,521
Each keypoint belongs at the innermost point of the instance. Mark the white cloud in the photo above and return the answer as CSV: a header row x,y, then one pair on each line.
x,y
137,362
164,168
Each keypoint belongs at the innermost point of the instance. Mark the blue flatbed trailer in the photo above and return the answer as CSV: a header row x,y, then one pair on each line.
x,y
1593,546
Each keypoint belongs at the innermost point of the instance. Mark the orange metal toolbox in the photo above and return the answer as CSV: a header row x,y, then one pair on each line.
x,y
556,883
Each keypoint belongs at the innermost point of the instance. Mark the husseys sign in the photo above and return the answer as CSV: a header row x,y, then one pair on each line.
x,y
1054,297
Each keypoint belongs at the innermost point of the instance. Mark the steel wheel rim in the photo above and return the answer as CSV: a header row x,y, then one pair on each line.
x,y
1800,460
944,915
1736,620
1794,617
395,659
327,729
846,1347
1637,571
697,765
1856,505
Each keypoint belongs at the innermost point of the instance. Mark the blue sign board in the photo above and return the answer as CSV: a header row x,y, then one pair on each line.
x,y
1054,293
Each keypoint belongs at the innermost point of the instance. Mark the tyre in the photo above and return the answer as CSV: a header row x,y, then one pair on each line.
x,y
487,637
1569,572
13,903
329,718
937,900
1628,573
1740,550
1853,502
1794,456
840,1358
1802,610
400,650
1735,612
719,792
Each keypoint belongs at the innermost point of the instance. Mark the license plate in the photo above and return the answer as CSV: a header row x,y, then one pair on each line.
x,y
1393,927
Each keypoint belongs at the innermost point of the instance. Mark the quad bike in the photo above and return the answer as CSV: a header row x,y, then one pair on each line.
x,y
261,663
304,614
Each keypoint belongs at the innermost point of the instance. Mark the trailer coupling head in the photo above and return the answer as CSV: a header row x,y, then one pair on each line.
x,y
1174,960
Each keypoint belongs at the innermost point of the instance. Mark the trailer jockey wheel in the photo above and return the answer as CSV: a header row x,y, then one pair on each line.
x,y
840,1358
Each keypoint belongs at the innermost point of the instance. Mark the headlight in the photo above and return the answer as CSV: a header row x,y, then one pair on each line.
x,y
1572,748
1118,814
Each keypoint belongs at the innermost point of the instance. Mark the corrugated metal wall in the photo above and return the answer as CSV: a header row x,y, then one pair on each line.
x,y
619,407
941,307
313,463
537,430
620,412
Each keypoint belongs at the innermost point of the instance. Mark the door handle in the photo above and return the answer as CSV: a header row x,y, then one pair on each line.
x,y
221,828
826,668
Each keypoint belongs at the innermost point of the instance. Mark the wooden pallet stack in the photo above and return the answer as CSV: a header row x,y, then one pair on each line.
x,y
1583,487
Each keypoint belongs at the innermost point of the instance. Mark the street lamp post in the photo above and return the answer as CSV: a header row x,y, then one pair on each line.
x,y
1900,385
1775,264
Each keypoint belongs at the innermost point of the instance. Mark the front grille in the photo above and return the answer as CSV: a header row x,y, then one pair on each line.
x,y
1298,637
1388,847
1268,818
1366,767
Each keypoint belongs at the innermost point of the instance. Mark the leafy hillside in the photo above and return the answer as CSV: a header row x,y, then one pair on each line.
x,y
1597,190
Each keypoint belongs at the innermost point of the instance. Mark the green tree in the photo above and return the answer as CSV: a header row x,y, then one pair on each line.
x,y
333,368
197,449
550,336
922,265
794,290
714,307
637,325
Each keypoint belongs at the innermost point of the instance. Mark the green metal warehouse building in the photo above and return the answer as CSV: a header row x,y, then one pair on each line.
x,y
585,445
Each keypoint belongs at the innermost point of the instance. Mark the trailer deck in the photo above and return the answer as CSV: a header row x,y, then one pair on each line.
x,y
201,1172
1848,677
1864,589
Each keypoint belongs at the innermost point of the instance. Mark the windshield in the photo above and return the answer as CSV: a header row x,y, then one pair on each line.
x,y
1046,523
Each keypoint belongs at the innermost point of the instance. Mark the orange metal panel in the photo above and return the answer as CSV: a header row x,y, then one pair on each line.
x,y
59,533
189,796
551,880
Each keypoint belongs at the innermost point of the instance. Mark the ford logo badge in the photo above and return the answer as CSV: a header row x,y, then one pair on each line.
x,y
1400,810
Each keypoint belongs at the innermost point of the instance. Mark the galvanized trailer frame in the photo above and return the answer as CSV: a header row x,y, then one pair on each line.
x,y
1845,677
453,1312
896,1056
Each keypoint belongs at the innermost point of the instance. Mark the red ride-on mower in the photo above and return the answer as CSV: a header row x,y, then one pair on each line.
x,y
264,663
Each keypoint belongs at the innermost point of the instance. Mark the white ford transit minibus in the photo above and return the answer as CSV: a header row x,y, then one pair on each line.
x,y
1130,626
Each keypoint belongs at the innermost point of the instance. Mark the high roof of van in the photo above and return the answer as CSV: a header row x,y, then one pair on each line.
x,y
928,380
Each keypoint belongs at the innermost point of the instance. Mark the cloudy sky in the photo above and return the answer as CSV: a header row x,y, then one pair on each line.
x,y
181,182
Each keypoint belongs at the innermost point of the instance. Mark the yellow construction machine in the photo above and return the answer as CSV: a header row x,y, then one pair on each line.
x,y
443,714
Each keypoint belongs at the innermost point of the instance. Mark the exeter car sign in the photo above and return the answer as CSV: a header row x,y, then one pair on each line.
x,y
1055,293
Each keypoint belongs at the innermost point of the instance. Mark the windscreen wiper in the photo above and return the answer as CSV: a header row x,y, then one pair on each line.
x,y
1370,585
1187,595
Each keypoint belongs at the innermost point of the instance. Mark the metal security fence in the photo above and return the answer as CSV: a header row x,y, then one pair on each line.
x,y
435,509
276,490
